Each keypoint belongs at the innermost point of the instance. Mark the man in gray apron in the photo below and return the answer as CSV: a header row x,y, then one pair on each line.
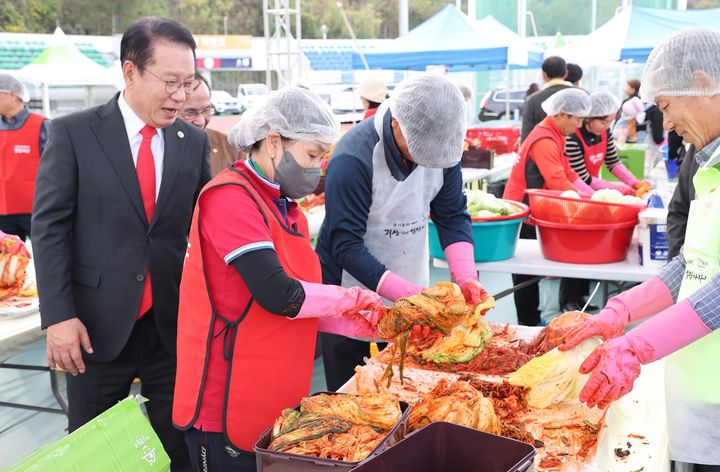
x,y
386,177
682,77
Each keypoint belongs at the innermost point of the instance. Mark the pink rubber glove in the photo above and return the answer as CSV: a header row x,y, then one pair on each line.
x,y
598,184
641,301
583,189
346,311
624,175
460,257
615,364
11,244
392,286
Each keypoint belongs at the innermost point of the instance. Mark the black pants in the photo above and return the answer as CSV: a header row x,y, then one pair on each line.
x,y
527,299
340,356
210,452
573,290
105,383
18,225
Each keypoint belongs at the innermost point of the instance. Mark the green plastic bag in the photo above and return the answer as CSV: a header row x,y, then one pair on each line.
x,y
118,440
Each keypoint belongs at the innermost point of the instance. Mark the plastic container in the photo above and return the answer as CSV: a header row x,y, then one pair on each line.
x,y
548,205
632,155
652,237
495,239
584,244
271,461
446,447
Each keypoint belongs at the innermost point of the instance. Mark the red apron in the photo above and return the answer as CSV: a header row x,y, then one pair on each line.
x,y
19,161
593,155
270,357
516,185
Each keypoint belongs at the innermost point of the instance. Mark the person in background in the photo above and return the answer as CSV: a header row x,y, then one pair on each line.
x,y
198,112
592,145
682,77
532,88
22,140
541,164
115,194
373,91
251,297
554,73
386,175
574,74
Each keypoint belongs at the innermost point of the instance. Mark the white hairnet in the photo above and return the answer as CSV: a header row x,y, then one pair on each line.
x,y
9,83
294,112
686,63
571,101
431,113
604,104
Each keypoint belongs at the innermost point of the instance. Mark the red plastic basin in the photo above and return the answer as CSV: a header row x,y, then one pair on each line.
x,y
584,244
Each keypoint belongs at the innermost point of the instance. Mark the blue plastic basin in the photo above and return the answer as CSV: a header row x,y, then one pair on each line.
x,y
494,240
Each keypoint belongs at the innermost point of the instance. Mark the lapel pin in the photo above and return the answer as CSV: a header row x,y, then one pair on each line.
x,y
181,134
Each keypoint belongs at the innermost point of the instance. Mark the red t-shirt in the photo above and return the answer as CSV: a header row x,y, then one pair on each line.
x,y
230,225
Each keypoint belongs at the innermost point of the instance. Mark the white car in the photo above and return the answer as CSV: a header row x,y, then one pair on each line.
x,y
223,102
346,101
252,94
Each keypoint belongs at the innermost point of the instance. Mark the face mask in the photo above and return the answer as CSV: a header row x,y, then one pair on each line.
x,y
295,181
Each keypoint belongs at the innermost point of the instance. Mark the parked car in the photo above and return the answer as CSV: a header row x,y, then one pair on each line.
x,y
346,101
251,94
493,104
223,102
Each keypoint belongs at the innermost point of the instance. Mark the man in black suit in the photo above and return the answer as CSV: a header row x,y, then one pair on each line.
x,y
554,72
115,194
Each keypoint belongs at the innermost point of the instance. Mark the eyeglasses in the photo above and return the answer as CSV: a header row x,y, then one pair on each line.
x,y
192,113
172,86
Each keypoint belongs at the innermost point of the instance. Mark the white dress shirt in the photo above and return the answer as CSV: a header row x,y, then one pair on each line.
x,y
133,125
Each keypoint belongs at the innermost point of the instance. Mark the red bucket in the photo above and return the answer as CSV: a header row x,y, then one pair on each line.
x,y
548,205
584,244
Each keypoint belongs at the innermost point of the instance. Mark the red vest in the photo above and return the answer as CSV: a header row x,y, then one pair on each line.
x,y
516,185
19,161
593,155
270,357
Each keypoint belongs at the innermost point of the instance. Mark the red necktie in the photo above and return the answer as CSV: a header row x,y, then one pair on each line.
x,y
146,179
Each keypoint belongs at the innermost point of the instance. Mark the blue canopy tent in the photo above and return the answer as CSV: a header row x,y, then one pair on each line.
x,y
632,34
451,39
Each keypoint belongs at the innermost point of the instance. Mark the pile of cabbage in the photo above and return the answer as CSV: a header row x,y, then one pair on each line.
x,y
609,195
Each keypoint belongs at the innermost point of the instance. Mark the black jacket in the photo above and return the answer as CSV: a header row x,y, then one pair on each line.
x,y
679,206
92,241
533,112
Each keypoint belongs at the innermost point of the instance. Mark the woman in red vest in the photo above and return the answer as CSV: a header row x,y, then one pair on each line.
x,y
541,164
592,144
251,298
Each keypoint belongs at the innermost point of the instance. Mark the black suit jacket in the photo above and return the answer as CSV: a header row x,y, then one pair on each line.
x,y
679,206
533,112
91,239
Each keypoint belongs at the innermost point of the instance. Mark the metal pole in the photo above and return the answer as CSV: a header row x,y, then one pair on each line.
x,y
352,34
458,4
682,4
288,46
593,16
225,19
298,37
403,17
507,92
266,25
522,25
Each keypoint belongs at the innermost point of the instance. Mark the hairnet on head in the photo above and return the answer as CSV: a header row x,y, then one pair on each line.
x,y
294,112
571,101
431,113
686,63
604,104
9,83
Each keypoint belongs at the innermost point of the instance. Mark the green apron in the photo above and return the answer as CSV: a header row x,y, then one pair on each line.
x,y
692,375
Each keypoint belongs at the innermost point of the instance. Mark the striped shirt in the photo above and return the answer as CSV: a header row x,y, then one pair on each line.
x,y
575,152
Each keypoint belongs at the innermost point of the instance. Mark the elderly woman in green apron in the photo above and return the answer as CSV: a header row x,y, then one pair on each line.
x,y
682,77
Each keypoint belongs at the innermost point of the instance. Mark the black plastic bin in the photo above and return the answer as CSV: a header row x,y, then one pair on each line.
x,y
446,447
271,461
